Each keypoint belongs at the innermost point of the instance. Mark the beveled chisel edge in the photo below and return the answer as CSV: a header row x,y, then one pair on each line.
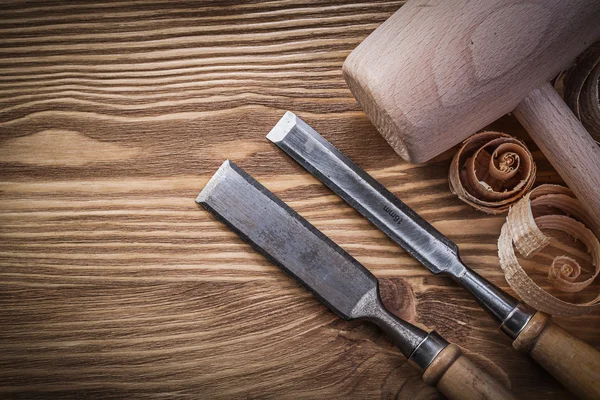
x,y
212,182
283,127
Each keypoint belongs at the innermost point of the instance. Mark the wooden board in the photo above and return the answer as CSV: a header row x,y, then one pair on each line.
x,y
114,283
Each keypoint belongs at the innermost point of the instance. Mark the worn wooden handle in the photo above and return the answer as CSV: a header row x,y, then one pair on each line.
x,y
565,143
456,377
570,360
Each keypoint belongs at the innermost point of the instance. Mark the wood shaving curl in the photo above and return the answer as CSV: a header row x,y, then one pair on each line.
x,y
491,171
524,230
582,91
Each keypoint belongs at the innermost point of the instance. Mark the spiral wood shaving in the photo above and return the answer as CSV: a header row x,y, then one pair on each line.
x,y
524,230
581,89
491,171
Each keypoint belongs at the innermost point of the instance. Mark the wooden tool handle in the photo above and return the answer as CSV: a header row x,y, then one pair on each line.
x,y
456,377
566,144
570,360
429,77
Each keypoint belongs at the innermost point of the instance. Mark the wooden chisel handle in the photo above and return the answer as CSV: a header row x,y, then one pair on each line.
x,y
570,360
456,377
442,364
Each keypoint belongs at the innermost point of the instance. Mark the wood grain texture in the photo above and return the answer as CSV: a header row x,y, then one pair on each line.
x,y
114,283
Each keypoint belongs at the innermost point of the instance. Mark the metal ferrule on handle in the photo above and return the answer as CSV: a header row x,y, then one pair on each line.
x,y
512,314
419,347
427,351
404,226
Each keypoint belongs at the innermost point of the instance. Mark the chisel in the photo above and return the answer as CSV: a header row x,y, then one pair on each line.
x,y
337,279
570,360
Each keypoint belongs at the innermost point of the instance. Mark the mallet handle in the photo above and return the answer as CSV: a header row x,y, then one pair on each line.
x,y
565,143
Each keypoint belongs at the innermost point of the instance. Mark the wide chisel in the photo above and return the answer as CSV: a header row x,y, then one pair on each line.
x,y
570,360
337,279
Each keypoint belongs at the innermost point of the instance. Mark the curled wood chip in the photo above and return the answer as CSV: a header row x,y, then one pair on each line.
x,y
491,171
548,207
582,91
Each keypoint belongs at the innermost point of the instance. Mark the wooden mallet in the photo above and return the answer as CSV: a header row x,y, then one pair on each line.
x,y
437,71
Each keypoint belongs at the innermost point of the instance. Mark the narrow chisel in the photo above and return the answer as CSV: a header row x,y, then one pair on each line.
x,y
337,279
570,360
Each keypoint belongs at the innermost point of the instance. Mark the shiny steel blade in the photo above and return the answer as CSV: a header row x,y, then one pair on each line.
x,y
287,239
404,226
301,250
366,195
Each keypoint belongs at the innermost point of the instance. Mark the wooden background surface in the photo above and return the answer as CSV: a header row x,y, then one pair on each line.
x,y
113,283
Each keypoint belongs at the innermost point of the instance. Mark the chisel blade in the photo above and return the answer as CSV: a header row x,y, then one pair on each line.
x,y
404,226
287,239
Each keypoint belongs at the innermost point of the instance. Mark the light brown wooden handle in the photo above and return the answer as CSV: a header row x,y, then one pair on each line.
x,y
570,360
565,143
456,377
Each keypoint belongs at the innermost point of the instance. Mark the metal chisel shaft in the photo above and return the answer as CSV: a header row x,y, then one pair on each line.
x,y
337,279
404,226
292,243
